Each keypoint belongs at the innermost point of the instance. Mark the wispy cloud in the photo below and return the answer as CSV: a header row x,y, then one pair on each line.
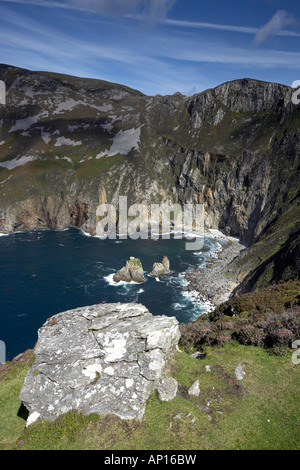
x,y
156,11
224,27
151,10
274,26
161,60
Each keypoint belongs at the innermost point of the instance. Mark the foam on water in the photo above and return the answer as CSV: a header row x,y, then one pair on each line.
x,y
109,279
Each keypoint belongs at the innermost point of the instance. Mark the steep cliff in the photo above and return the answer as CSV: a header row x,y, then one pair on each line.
x,y
68,144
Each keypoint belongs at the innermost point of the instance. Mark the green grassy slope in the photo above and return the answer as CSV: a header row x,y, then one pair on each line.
x,y
259,412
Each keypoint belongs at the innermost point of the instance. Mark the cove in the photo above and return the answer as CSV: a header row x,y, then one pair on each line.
x,y
47,272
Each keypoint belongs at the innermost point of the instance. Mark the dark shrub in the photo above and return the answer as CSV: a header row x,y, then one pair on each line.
x,y
193,334
280,337
291,321
223,338
226,325
249,335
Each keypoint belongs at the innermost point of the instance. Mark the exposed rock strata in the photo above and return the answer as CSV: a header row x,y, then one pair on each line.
x,y
99,359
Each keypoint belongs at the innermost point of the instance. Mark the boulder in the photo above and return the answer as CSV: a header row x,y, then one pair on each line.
x,y
101,359
161,269
132,272
194,389
239,372
167,389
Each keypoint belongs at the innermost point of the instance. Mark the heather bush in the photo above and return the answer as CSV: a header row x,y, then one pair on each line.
x,y
291,321
268,317
223,338
193,334
226,325
280,337
249,335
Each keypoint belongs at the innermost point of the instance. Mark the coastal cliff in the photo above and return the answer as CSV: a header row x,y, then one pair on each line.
x,y
68,144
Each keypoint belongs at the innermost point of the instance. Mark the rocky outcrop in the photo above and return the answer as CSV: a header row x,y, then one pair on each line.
x,y
132,272
161,269
105,358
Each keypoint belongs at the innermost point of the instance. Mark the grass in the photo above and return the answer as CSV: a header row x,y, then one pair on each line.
x,y
134,262
94,167
12,375
260,412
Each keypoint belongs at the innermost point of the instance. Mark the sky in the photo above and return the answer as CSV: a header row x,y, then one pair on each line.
x,y
155,46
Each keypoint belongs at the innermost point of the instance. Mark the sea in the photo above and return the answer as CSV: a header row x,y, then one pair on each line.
x,y
47,272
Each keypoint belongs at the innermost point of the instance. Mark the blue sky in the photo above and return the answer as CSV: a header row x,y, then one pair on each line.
x,y
155,46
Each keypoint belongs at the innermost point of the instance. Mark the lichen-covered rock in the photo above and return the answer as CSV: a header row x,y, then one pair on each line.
x,y
167,389
102,359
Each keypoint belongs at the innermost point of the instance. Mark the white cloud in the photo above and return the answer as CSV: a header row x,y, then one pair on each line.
x,y
274,26
151,10
157,9
224,27
162,61
115,8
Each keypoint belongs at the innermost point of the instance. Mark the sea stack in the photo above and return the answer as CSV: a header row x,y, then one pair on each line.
x,y
133,271
161,269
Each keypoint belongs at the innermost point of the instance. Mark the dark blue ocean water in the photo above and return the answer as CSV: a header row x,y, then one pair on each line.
x,y
47,272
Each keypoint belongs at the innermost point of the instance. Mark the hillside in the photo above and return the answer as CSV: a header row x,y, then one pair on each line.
x,y
258,412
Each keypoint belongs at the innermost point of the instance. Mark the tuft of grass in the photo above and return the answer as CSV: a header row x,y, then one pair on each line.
x,y
12,414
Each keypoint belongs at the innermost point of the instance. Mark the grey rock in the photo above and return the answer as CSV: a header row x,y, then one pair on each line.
x,y
239,372
161,269
198,355
194,390
122,275
167,389
101,359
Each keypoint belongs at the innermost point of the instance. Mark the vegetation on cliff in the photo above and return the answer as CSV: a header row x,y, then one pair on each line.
x,y
267,317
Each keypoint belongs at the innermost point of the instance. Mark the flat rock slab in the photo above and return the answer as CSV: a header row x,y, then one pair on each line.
x,y
104,358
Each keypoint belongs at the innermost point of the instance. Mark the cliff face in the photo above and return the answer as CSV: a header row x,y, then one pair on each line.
x,y
68,144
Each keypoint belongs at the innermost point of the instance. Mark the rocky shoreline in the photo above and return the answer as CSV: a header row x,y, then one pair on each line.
x,y
212,280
